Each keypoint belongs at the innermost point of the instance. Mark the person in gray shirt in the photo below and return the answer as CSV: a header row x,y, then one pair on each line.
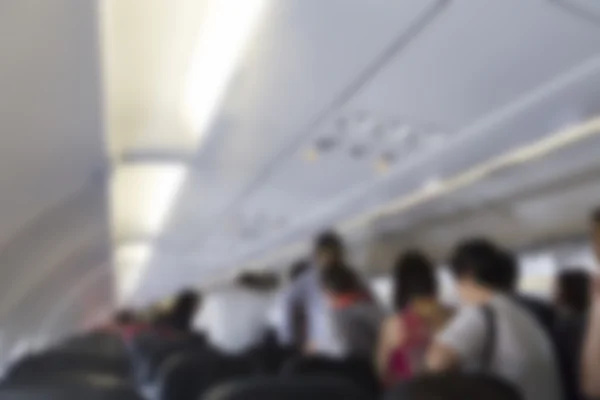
x,y
355,315
492,333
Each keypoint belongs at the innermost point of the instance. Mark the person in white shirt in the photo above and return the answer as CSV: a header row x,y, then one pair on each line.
x,y
492,333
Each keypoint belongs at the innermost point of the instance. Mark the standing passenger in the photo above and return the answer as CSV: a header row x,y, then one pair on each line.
x,y
591,349
355,316
304,297
405,336
493,333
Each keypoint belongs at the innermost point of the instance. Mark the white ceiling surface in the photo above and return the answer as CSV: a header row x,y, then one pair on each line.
x,y
540,203
53,216
467,81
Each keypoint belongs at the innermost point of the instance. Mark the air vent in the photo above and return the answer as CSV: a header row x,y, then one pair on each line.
x,y
379,132
325,144
358,151
389,157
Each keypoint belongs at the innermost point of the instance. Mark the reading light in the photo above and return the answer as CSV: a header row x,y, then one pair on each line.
x,y
311,154
222,39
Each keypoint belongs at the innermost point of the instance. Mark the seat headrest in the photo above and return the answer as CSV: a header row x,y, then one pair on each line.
x,y
288,388
454,386
65,392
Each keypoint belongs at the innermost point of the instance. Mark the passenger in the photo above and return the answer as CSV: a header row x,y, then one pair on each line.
x,y
572,295
508,277
355,316
298,269
406,335
492,333
591,348
298,313
305,297
181,316
572,301
565,335
125,318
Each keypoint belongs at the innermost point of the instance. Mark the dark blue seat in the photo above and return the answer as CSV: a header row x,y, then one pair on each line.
x,y
288,388
150,351
89,390
100,344
454,386
358,371
58,364
188,376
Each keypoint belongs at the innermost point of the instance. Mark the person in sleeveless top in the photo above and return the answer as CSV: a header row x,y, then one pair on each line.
x,y
419,315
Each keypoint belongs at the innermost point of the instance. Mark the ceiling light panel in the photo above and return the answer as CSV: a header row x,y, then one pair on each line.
x,y
130,261
226,30
142,197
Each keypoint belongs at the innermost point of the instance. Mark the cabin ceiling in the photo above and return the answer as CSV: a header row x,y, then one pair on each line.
x,y
208,133
338,107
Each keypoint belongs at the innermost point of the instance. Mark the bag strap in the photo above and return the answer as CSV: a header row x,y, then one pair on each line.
x,y
489,345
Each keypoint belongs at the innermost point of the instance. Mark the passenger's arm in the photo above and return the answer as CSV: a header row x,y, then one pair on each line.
x,y
391,336
591,348
441,357
292,299
460,342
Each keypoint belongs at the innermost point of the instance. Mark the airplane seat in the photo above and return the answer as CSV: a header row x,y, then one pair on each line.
x,y
454,386
58,363
67,392
149,351
288,388
101,344
188,376
74,378
270,356
353,369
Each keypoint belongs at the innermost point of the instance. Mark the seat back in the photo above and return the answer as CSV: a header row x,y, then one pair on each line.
x,y
100,344
314,388
57,364
454,386
188,376
152,351
358,371
63,391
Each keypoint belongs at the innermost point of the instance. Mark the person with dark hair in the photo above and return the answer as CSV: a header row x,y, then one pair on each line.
x,y
573,292
493,333
405,336
590,362
508,277
125,317
572,298
329,249
564,333
355,316
596,232
305,298
298,269
181,315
